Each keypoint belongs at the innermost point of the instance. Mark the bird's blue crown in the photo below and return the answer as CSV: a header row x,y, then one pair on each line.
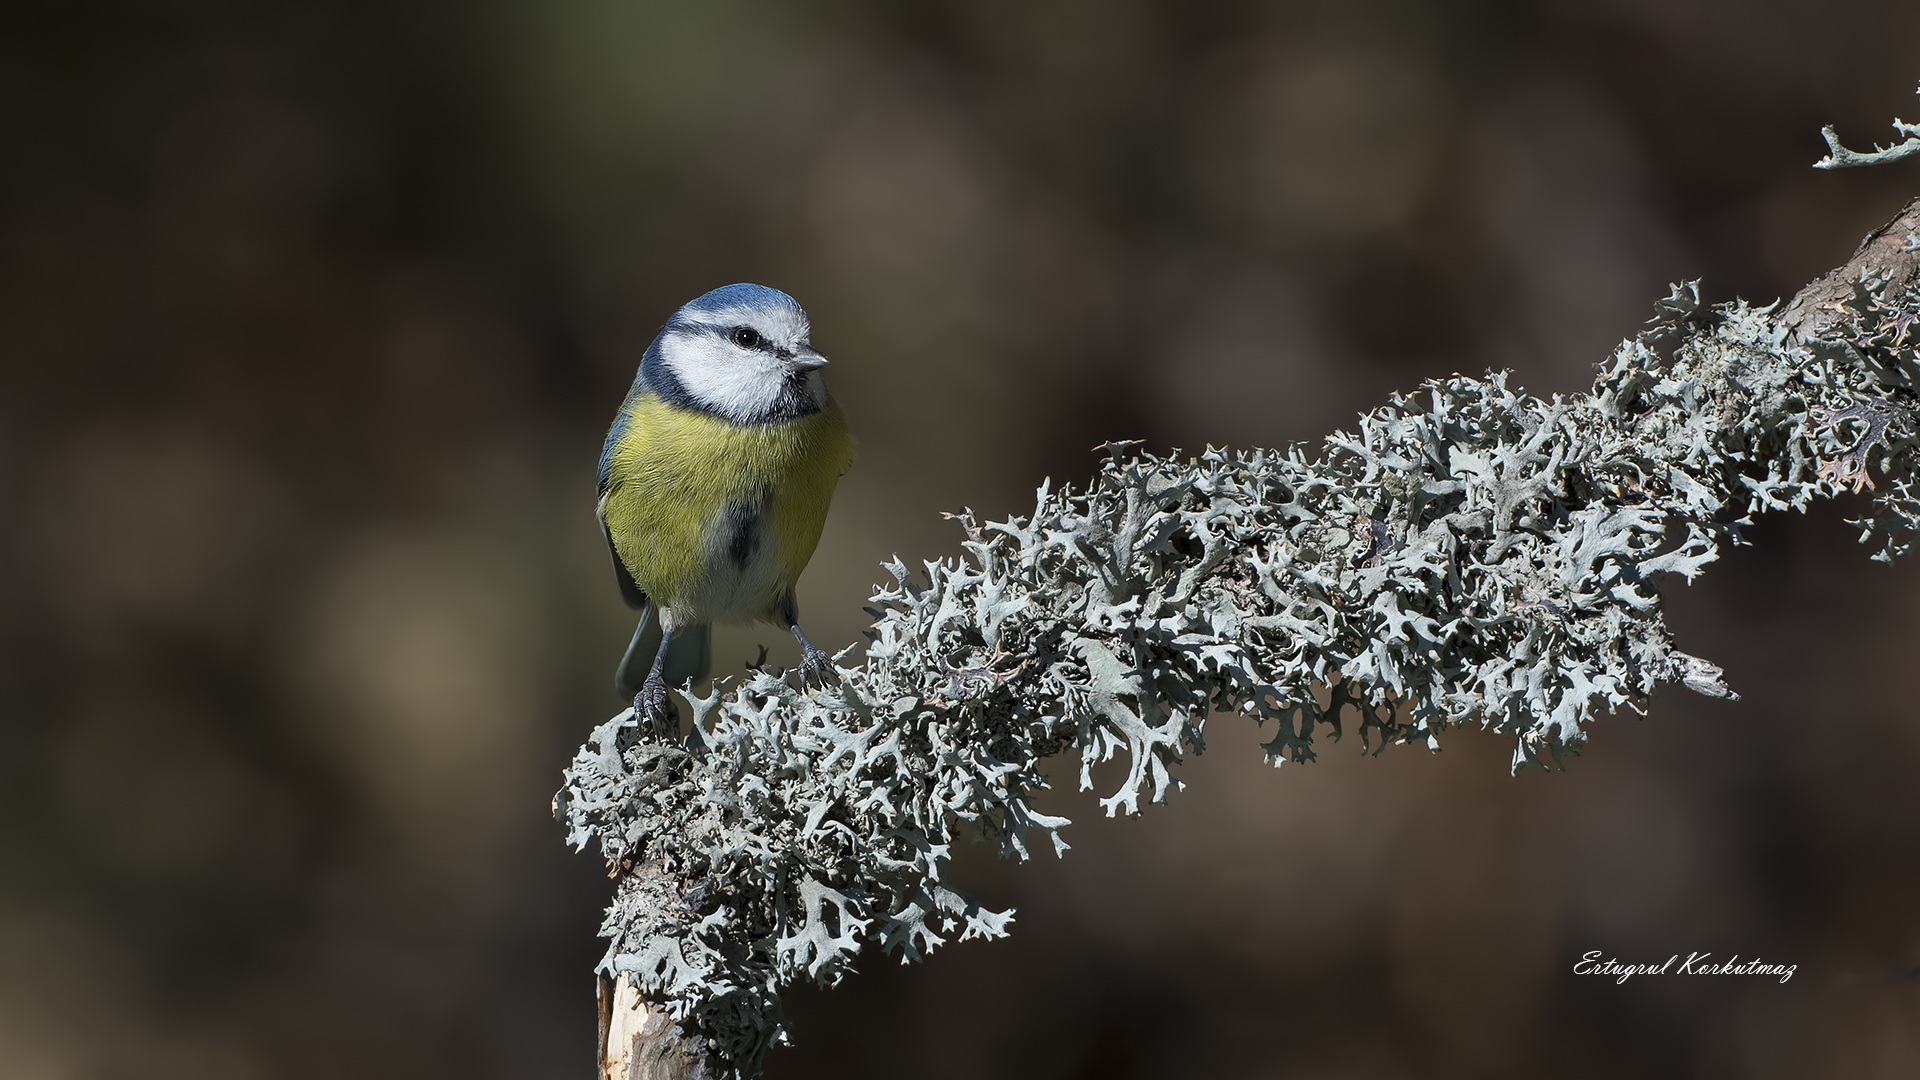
x,y
743,295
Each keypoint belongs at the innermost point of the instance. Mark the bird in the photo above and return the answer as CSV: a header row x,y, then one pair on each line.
x,y
715,481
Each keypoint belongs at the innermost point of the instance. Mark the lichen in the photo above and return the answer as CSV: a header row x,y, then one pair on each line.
x,y
1468,554
1839,157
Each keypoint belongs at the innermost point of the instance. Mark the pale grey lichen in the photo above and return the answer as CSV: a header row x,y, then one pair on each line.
x,y
1469,554
1839,157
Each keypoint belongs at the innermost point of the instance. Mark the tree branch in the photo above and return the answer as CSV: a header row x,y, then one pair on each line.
x,y
1469,554
1890,252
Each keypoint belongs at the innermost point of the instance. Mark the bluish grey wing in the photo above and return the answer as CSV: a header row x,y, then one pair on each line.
x,y
618,428
629,589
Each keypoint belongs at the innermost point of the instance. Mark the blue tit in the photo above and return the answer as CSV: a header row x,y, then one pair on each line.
x,y
714,484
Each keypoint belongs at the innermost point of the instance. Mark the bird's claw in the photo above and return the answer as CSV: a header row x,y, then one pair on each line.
x,y
654,709
816,669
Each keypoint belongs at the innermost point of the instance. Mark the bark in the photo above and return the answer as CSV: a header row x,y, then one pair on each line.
x,y
639,1041
1883,252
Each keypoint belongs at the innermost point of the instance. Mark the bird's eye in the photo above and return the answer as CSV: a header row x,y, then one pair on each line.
x,y
744,337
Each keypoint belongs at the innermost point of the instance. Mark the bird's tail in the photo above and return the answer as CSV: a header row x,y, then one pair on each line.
x,y
689,657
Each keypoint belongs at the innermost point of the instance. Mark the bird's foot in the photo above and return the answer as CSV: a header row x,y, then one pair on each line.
x,y
816,669
654,709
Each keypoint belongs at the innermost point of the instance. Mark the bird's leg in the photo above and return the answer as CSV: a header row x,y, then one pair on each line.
x,y
815,666
651,707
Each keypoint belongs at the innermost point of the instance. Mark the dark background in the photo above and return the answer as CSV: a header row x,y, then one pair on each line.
x,y
312,317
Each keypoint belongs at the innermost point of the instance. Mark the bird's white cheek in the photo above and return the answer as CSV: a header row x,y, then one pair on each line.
x,y
732,381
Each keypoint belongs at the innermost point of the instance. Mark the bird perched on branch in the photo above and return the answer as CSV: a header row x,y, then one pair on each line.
x,y
714,485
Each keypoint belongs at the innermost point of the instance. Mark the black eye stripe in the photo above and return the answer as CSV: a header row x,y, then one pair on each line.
x,y
746,337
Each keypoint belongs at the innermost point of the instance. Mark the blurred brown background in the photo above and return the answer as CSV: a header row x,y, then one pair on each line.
x,y
312,316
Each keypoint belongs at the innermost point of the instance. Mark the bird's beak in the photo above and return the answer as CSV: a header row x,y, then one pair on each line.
x,y
806,360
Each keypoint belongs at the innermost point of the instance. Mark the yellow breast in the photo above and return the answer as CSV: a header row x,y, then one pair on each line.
x,y
677,476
